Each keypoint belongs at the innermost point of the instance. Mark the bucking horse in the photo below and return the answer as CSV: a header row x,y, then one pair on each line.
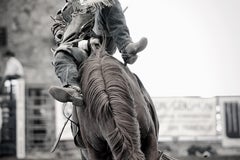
x,y
118,120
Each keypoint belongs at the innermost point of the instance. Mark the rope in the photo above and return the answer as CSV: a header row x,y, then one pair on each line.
x,y
61,132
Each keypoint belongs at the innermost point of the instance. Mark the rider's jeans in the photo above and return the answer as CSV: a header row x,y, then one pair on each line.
x,y
111,21
66,69
108,20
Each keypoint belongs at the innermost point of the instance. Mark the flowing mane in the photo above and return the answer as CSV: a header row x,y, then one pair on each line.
x,y
107,95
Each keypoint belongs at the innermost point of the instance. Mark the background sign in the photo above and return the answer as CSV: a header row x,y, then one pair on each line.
x,y
186,116
230,109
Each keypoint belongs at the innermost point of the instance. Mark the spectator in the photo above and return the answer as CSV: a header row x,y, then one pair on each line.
x,y
14,68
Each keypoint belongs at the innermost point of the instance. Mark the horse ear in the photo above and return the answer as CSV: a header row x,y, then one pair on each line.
x,y
95,44
98,45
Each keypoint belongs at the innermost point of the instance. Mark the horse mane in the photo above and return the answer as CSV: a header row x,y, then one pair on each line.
x,y
106,93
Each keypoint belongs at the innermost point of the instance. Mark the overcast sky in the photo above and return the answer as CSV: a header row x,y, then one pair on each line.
x,y
194,46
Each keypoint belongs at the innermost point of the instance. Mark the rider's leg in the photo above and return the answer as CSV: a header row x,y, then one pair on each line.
x,y
66,68
112,21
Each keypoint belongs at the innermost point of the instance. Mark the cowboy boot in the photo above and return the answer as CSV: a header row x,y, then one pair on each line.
x,y
67,94
130,52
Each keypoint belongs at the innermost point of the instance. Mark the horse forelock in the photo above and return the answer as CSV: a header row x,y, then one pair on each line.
x,y
107,97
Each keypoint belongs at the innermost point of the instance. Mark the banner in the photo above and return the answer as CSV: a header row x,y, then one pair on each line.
x,y
186,116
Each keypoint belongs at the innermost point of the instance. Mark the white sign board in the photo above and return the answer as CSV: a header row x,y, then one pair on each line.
x,y
186,116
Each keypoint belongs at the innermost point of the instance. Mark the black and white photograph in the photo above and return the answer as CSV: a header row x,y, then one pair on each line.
x,y
119,80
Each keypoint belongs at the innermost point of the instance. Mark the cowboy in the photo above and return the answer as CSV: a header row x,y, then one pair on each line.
x,y
109,20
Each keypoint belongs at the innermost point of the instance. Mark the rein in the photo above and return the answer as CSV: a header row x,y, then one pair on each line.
x,y
61,132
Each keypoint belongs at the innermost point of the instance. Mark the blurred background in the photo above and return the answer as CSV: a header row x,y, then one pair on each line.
x,y
190,68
